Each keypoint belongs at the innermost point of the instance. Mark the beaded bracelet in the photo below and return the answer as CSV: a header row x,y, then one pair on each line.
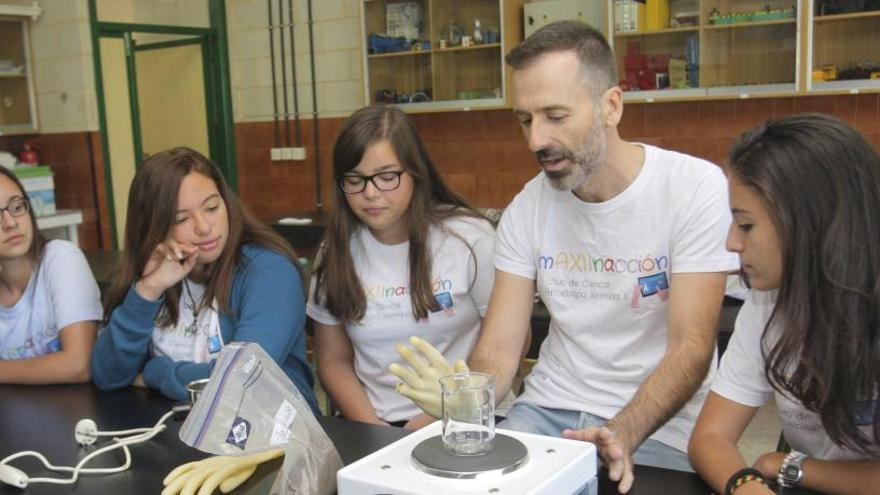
x,y
742,477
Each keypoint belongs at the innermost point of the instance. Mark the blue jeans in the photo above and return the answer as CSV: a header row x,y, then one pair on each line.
x,y
531,418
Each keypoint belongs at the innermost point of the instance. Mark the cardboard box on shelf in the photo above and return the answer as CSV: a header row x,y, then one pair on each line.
x,y
40,188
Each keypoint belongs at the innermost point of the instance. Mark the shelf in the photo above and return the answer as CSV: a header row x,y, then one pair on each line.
x,y
846,17
741,91
655,32
468,48
847,86
13,76
663,94
749,90
454,105
738,25
457,77
405,53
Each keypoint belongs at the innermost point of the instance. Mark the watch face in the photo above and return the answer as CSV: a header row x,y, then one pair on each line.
x,y
792,473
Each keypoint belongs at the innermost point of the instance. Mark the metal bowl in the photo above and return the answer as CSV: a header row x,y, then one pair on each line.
x,y
195,389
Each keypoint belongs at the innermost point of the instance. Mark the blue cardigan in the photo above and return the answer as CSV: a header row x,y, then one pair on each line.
x,y
268,307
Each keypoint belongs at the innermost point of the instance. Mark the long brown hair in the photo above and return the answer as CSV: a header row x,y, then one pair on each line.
x,y
38,242
338,286
152,203
820,182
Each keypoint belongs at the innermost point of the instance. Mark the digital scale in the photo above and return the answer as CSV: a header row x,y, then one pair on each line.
x,y
520,463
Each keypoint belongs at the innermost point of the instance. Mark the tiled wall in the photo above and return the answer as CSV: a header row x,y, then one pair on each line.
x,y
338,58
484,156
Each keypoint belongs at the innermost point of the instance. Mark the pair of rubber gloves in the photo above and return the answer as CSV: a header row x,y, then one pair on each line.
x,y
223,471
423,385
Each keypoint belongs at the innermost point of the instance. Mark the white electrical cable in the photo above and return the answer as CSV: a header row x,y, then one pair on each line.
x,y
143,434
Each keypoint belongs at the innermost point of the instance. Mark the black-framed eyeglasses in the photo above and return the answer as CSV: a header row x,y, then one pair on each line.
x,y
17,207
383,181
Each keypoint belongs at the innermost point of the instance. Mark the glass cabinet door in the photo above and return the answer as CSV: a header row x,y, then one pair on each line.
x,y
17,113
844,46
693,48
434,53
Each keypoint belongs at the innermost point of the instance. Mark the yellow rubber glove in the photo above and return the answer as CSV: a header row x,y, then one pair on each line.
x,y
225,472
422,386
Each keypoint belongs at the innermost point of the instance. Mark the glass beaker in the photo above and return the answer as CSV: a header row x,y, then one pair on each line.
x,y
468,403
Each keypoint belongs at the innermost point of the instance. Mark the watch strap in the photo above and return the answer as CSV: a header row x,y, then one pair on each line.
x,y
792,459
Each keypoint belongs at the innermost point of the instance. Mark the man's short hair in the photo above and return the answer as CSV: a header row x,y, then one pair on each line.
x,y
590,46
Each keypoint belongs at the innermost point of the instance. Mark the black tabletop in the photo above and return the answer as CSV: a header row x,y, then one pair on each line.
x,y
43,419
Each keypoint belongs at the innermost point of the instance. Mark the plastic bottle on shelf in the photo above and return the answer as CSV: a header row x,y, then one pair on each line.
x,y
478,33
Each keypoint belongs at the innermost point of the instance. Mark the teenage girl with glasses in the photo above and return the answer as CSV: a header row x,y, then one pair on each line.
x,y
805,197
49,301
403,256
199,271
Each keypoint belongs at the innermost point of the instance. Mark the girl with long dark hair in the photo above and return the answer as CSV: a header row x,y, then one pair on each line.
x,y
403,255
199,271
805,197
49,302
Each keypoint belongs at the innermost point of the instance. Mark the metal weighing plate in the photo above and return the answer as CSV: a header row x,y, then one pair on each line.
x,y
508,455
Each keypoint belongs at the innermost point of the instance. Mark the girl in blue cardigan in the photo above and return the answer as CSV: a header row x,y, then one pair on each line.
x,y
199,271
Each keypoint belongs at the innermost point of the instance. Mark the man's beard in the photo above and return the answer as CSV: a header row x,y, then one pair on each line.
x,y
583,162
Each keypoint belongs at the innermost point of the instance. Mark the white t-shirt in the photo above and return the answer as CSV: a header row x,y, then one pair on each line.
x,y
741,379
62,291
462,284
196,337
603,270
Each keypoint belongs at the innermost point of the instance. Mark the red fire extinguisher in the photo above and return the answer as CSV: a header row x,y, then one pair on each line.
x,y
29,155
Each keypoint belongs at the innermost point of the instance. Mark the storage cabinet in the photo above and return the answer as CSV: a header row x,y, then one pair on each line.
x,y
17,112
693,48
672,49
434,54
844,46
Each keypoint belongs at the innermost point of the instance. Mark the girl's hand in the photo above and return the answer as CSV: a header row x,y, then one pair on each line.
x,y
419,421
170,262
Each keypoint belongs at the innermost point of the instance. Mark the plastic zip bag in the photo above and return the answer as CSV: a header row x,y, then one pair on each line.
x,y
250,405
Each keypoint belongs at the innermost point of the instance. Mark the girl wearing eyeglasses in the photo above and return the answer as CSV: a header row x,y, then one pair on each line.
x,y
199,271
805,197
49,301
402,255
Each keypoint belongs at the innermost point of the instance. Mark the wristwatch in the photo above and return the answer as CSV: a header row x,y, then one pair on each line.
x,y
791,472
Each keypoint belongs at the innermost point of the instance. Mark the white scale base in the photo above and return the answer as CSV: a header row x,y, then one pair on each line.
x,y
555,466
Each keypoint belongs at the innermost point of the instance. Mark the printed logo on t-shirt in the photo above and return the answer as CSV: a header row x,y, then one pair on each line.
x,y
389,302
19,352
390,291
581,276
444,301
656,284
47,342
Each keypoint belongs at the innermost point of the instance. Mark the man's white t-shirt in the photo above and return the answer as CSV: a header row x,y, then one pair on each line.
x,y
462,283
741,379
604,271
60,292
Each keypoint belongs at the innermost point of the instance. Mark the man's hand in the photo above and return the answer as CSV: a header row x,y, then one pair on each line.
x,y
613,450
422,386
